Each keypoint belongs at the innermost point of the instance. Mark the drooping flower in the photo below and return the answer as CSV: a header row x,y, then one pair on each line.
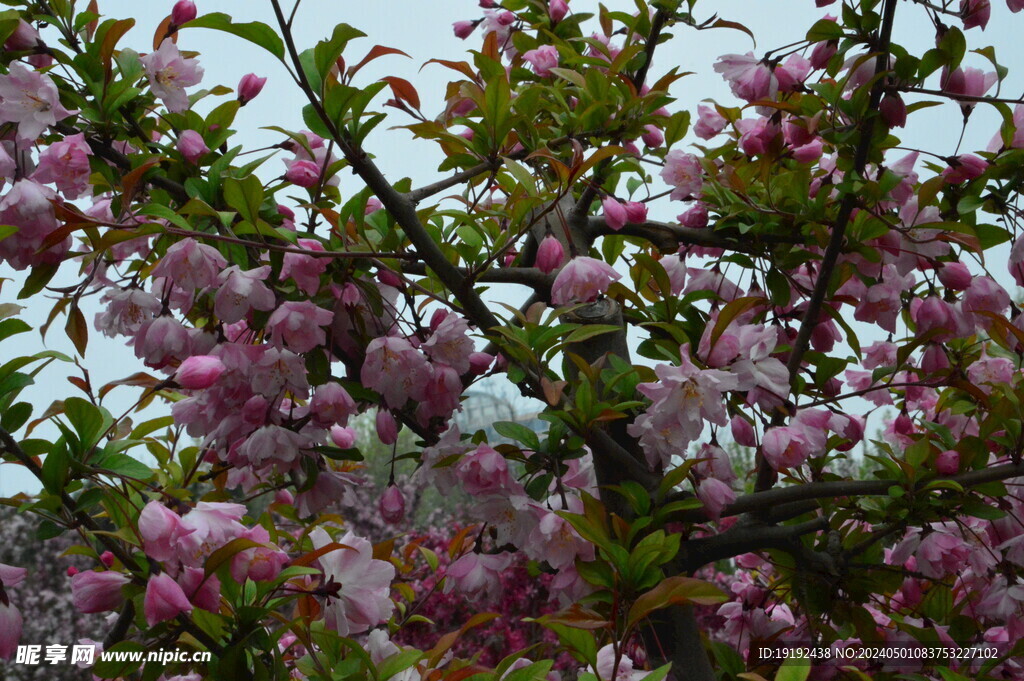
x,y
683,172
190,265
709,122
299,324
161,530
169,74
582,280
93,591
199,372
749,78
396,370
474,573
542,59
359,584
31,100
164,600
614,213
66,164
240,291
392,505
449,341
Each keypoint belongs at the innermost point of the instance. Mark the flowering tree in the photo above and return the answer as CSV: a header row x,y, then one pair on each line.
x,y
273,308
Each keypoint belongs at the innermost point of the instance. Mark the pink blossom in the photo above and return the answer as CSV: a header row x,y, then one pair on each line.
x,y
28,207
749,78
277,371
183,12
192,146
809,153
259,564
484,471
161,530
362,599
305,270
785,447
550,255
615,667
199,372
392,505
10,629
582,280
683,172
161,341
715,495
449,341
893,110
694,217
614,213
883,302
274,445
31,100
676,271
250,87
653,137
985,295
709,122
542,59
395,369
126,310
968,81
164,600
480,362
240,291
823,52
475,573
742,431
344,438
934,314
66,164
299,324
208,526
169,74
24,38
954,275
331,404
636,212
975,13
681,401
557,9
948,462
97,591
303,173
201,590
386,426
11,576
964,168
792,72
463,29
190,265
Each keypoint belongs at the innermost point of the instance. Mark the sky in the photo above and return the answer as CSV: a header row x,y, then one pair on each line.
x,y
423,30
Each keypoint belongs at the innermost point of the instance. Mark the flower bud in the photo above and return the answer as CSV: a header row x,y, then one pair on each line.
x,y
392,505
557,9
893,110
742,431
184,11
107,558
653,137
550,255
164,600
948,462
823,52
249,87
614,213
345,438
955,276
199,372
636,212
97,591
24,38
463,29
480,362
387,428
303,173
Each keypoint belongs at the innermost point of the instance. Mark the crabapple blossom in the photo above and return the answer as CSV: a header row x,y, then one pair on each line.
x,y
169,74
542,59
392,505
474,573
66,164
550,255
31,100
396,370
164,600
250,87
684,173
192,146
93,591
240,291
299,325
191,265
361,599
614,213
582,279
199,372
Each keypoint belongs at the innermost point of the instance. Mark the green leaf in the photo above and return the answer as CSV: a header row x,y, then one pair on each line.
x,y
245,196
255,32
794,669
89,421
326,51
398,663
825,29
123,464
10,327
518,432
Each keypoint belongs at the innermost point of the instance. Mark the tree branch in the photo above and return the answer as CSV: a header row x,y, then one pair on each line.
x,y
765,474
668,237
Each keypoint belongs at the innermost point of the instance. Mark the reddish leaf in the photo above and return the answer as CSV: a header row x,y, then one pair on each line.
x,y
77,330
308,558
375,52
140,379
116,32
403,90
730,312
460,66
674,591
